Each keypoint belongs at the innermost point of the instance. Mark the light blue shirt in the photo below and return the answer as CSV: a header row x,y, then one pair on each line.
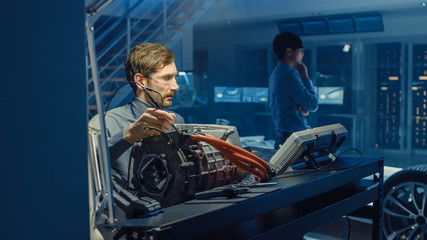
x,y
287,91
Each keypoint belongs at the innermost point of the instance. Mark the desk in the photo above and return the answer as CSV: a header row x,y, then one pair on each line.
x,y
298,204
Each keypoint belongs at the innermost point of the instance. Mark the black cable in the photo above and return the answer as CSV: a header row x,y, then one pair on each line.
x,y
322,168
112,96
349,227
143,87
155,103
161,133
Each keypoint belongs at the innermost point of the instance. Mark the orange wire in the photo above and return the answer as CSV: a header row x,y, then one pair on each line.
x,y
237,158
244,166
233,147
223,144
245,159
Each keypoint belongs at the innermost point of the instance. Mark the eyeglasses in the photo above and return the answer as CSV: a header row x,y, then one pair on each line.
x,y
167,79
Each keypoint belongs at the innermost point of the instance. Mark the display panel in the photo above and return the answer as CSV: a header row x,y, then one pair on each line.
x,y
330,95
227,94
293,27
370,23
255,95
315,27
341,25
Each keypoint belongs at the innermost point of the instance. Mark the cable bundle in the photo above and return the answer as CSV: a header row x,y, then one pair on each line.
x,y
238,156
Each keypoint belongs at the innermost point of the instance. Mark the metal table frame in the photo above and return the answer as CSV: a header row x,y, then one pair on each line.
x,y
302,203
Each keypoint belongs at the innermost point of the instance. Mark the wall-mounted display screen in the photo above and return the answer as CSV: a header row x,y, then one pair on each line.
x,y
341,25
333,24
330,95
293,27
369,23
315,27
227,94
255,95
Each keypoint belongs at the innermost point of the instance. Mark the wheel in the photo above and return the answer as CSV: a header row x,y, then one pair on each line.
x,y
405,207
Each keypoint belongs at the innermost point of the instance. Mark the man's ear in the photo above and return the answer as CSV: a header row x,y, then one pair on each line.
x,y
289,51
140,79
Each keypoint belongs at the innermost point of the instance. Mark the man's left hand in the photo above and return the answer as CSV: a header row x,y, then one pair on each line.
x,y
303,111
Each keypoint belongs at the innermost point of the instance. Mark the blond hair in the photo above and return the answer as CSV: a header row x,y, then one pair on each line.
x,y
146,59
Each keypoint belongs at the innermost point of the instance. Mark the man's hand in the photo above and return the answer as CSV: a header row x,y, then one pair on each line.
x,y
152,117
302,111
302,70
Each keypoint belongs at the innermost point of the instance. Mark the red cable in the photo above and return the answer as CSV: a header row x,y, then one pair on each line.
x,y
244,166
233,147
240,157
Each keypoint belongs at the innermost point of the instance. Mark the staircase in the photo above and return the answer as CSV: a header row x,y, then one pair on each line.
x,y
126,23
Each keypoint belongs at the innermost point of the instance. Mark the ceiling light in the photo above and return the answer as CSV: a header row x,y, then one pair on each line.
x,y
346,48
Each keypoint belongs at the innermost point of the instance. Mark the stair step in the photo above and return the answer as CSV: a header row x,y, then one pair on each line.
x,y
92,107
174,30
183,19
112,67
164,41
113,79
195,9
118,55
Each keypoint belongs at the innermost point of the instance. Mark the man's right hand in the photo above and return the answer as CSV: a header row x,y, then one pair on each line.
x,y
152,117
302,70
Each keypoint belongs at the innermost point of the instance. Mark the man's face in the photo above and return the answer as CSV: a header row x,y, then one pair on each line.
x,y
164,82
297,55
299,52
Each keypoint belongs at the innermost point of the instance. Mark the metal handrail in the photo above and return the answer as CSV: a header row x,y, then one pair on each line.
x,y
120,36
116,23
161,14
135,37
124,48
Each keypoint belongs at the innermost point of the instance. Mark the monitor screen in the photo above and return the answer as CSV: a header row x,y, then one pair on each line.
x,y
314,27
255,95
341,25
227,94
370,23
330,95
293,27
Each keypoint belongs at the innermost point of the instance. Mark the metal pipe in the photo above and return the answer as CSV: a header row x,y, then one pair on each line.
x,y
103,144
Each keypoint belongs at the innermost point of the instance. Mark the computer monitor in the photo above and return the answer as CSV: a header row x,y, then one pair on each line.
x,y
315,26
254,94
330,95
341,25
227,94
292,26
369,23
316,143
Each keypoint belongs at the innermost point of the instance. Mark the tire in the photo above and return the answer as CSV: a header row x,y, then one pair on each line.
x,y
405,204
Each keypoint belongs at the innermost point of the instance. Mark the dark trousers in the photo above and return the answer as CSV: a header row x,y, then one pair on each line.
x,y
281,138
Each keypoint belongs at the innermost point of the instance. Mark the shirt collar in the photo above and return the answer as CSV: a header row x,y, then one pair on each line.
x,y
282,65
140,106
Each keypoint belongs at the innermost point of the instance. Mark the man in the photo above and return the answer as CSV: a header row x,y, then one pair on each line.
x,y
149,65
291,91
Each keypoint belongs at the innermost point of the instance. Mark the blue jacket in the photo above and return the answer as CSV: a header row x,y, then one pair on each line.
x,y
287,91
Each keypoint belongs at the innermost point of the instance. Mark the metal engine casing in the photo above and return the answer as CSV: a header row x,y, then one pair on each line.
x,y
172,168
